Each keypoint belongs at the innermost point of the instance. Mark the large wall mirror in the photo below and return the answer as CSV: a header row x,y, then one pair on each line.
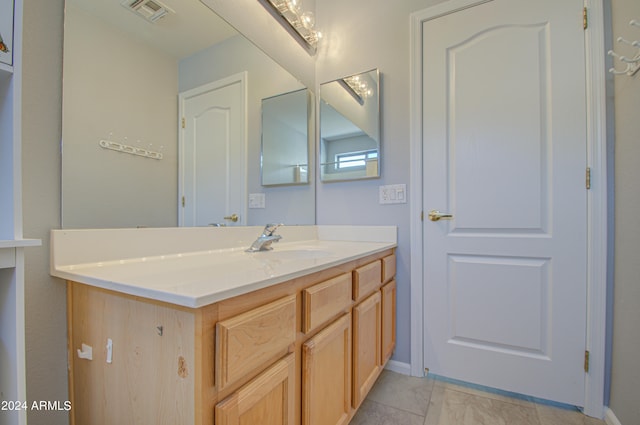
x,y
123,73
350,127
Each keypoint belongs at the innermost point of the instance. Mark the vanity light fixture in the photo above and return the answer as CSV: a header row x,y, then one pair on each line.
x,y
356,87
299,23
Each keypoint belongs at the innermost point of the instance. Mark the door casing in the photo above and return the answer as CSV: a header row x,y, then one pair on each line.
x,y
597,205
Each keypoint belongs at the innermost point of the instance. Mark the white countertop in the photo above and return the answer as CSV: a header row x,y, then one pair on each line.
x,y
194,278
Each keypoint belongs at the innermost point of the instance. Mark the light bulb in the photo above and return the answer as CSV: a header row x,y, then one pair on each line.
x,y
295,6
308,20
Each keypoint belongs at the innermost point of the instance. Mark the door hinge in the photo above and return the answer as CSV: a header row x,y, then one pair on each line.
x,y
183,202
586,361
184,124
588,178
585,18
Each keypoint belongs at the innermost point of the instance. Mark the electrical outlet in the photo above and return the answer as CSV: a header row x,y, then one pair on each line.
x,y
256,200
393,194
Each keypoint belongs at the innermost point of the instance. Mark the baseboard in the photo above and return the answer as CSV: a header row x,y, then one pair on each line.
x,y
399,367
610,418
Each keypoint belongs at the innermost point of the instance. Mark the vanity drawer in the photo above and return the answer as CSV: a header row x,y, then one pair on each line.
x,y
388,267
366,279
324,301
254,338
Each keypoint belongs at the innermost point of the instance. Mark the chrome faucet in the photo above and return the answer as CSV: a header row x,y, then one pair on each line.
x,y
264,241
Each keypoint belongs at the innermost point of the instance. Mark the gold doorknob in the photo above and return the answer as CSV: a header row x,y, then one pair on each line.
x,y
435,215
233,217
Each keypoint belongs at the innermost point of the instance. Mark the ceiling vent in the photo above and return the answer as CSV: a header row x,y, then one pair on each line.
x,y
151,10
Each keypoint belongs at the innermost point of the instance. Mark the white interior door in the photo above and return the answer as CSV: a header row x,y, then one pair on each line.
x,y
504,143
213,154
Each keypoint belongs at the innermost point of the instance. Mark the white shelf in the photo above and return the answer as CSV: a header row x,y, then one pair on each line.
x,y
8,250
19,243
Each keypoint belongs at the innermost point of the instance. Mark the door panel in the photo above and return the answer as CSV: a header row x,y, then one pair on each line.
x,y
514,322
511,159
504,148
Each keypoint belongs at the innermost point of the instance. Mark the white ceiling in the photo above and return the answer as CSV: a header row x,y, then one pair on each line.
x,y
190,29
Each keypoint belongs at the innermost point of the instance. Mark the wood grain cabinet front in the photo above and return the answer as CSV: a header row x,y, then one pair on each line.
x,y
250,340
367,354
268,399
326,375
388,293
325,300
388,267
366,279
303,352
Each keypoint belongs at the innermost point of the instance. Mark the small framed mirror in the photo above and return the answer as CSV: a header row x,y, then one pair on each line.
x,y
285,138
350,127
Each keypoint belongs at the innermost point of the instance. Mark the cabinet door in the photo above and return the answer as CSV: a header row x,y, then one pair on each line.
x,y
367,350
388,267
268,399
252,340
325,301
388,293
326,375
366,279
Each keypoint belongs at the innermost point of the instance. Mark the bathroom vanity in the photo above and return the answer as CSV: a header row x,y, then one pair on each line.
x,y
182,326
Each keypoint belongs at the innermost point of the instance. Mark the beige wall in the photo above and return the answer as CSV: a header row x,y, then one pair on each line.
x,y
135,104
625,377
46,328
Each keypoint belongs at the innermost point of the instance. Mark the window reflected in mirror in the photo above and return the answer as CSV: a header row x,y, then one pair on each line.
x,y
350,127
285,139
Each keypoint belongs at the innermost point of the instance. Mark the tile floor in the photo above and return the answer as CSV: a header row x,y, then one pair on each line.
x,y
403,400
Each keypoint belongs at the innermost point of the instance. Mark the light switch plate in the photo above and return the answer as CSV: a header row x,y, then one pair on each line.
x,y
256,200
393,194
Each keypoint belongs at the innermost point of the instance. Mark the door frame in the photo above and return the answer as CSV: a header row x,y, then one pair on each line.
x,y
240,77
597,195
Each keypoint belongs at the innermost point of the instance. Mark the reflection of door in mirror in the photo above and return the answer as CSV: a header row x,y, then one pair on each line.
x,y
212,153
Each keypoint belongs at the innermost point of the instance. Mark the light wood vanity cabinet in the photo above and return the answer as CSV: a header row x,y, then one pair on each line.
x,y
303,352
367,340
388,293
268,399
250,340
326,375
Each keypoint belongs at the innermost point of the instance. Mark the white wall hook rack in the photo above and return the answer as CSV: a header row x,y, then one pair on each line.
x,y
115,146
632,64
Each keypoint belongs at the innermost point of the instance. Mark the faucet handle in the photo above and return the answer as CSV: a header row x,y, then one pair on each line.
x,y
269,229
